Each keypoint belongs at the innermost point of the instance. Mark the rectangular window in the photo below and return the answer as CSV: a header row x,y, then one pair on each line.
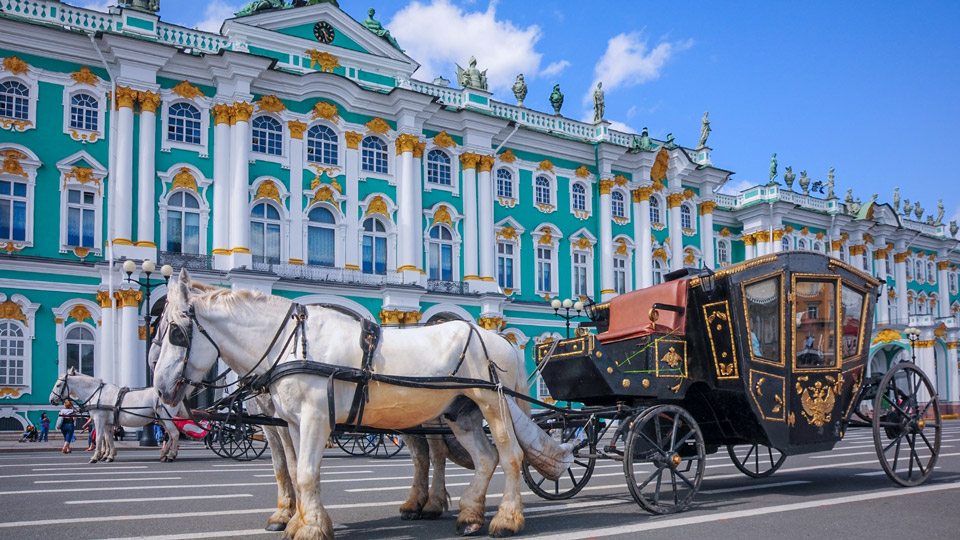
x,y
174,232
320,246
620,275
374,255
579,274
81,218
505,265
762,300
815,329
851,312
191,233
13,210
544,268
80,357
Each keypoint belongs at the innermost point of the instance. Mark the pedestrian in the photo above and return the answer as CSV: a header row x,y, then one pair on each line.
x,y
93,433
44,427
29,435
65,422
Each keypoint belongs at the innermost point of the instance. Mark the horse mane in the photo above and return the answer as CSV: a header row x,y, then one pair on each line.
x,y
233,300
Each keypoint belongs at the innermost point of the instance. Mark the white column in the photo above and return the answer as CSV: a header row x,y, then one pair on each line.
x,y
123,186
763,242
953,375
883,308
903,313
706,234
606,241
749,247
351,212
418,192
641,233
469,167
146,169
408,218
926,361
674,200
221,184
835,247
943,300
239,184
486,234
777,240
132,372
297,232
105,368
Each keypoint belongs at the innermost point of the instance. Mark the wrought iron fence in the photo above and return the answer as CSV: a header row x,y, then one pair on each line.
x,y
190,261
449,287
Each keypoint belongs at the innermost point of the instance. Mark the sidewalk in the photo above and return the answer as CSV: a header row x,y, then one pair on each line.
x,y
9,444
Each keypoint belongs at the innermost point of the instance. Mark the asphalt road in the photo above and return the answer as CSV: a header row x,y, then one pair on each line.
x,y
837,494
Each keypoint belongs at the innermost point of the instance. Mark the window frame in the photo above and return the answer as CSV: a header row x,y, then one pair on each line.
x,y
282,220
623,205
834,282
29,165
69,182
386,175
99,93
284,139
689,210
724,245
550,190
167,179
167,208
553,244
430,243
28,331
338,227
587,210
338,136
31,81
516,256
67,341
387,269
657,203
203,104
507,202
780,361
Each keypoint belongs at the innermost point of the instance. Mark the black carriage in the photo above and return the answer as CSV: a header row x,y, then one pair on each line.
x,y
765,358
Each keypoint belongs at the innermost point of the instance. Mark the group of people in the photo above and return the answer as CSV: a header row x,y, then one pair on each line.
x,y
67,420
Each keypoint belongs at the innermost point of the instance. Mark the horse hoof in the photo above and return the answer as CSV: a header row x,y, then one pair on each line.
x,y
163,459
109,460
276,527
93,460
409,515
468,529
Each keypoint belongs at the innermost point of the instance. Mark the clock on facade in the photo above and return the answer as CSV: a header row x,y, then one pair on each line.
x,y
323,32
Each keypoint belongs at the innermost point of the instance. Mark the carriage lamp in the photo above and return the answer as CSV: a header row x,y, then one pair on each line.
x,y
913,334
567,305
147,437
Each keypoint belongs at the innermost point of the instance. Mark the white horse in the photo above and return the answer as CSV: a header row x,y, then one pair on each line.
x,y
234,324
137,408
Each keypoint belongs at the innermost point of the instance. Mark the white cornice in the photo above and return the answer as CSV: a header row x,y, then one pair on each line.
x,y
52,286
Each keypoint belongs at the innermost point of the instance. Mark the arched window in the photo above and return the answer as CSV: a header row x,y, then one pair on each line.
x,y
801,244
322,145
579,200
543,191
686,217
620,274
14,100
374,247
440,253
657,271
723,252
504,184
81,218
544,269
183,223
80,347
654,210
12,354
922,305
785,243
616,205
919,271
438,168
580,262
265,233
953,283
267,135
321,237
373,156
183,124
818,247
13,210
84,112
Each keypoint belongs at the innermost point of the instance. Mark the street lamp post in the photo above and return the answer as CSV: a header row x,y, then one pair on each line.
x,y
147,437
913,334
556,304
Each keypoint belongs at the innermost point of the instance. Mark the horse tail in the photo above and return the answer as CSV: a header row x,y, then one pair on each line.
x,y
521,387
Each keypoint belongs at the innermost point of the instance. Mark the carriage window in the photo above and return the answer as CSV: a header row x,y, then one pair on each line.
x,y
814,335
763,318
851,312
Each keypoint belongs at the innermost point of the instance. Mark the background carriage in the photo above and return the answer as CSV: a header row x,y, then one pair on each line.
x,y
766,358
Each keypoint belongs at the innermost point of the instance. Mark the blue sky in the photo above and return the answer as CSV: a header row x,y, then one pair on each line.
x,y
867,87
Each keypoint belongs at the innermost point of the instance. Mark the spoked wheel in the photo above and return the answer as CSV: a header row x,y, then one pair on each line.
x,y
212,440
907,429
664,458
255,443
574,478
756,460
385,445
356,444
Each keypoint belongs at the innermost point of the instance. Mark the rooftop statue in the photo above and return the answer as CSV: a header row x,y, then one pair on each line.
x,y
855,206
939,220
643,143
374,26
907,208
849,198
598,106
704,131
773,168
896,199
918,211
830,194
472,77
669,145
151,6
953,228
258,6
556,99
519,90
788,178
804,183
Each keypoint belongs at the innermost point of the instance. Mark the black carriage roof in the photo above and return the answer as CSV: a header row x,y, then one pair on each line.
x,y
794,261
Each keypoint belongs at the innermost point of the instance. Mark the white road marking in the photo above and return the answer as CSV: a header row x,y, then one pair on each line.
x,y
120,488
625,530
394,488
87,468
155,499
106,480
209,534
753,487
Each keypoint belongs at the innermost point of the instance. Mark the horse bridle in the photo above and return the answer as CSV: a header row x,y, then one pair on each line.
x,y
64,393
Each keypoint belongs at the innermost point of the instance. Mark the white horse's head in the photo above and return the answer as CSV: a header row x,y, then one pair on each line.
x,y
184,355
61,390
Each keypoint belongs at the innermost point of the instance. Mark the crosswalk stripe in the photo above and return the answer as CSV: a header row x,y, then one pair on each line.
x,y
157,499
106,480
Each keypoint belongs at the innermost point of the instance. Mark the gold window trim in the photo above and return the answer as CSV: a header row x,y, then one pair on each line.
x,y
735,374
836,323
863,318
783,393
783,317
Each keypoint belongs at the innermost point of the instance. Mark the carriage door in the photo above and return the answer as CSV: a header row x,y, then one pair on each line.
x,y
815,390
763,300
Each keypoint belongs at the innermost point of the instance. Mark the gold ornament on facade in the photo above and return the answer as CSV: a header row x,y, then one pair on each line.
x,y
128,297
327,61
186,90
418,150
84,76
545,165
377,206
777,235
326,111
222,113
142,332
688,194
324,194
867,238
83,175
924,343
805,231
15,125
605,186
184,179
80,313
149,101
378,125
674,200
10,392
547,238
748,239
836,245
15,65
659,170
658,186
242,111
943,265
620,180
402,318
405,143
582,243
858,249
58,320
887,335
661,254
941,331
761,236
932,257
126,97
690,256
271,104
81,251
443,140
103,297
491,323
622,248
486,163
12,310
507,156
11,162
442,215
353,139
268,190
642,193
582,172
901,257
9,247
507,233
788,229
469,160
296,128
707,207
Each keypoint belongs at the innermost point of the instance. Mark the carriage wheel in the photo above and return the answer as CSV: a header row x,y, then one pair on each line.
x,y
356,444
573,480
906,432
233,440
212,440
664,459
756,460
255,443
385,445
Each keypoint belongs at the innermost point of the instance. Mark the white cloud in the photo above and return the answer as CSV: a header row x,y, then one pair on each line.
x,y
620,126
554,69
631,111
628,61
736,186
440,34
99,5
215,13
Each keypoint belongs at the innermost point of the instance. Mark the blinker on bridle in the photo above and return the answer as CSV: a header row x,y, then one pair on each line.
x,y
181,336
